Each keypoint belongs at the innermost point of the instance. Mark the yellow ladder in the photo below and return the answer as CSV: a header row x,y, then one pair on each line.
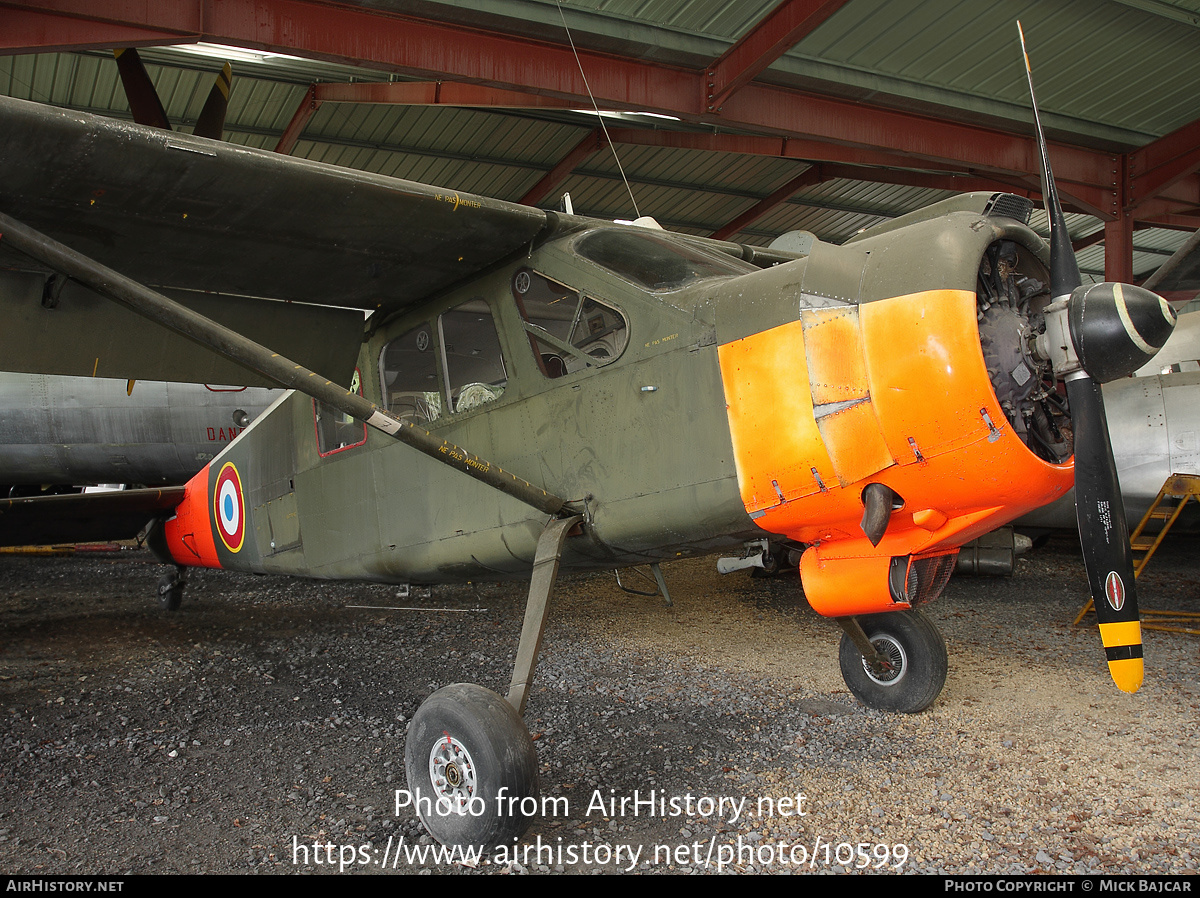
x,y
1176,488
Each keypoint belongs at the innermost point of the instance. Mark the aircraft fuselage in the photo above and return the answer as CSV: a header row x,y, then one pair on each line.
x,y
83,430
687,402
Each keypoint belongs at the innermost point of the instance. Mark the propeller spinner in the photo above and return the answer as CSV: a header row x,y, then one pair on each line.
x,y
1093,335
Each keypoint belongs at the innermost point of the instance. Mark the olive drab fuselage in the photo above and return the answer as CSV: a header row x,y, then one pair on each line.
x,y
688,402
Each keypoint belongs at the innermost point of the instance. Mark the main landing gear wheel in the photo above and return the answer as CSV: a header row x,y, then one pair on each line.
x,y
915,654
471,758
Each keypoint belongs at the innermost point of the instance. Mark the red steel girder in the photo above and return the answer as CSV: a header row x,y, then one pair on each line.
x,y
550,181
1181,197
1081,243
1160,165
757,145
434,93
880,166
780,30
305,111
807,178
1174,222
958,183
47,31
430,49
406,93
1118,249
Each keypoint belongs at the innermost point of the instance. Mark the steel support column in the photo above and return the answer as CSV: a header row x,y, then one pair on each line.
x,y
1118,249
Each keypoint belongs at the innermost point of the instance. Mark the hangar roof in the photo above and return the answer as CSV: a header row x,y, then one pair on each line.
x,y
740,119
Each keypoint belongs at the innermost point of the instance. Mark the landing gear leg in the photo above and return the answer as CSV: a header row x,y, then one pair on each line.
x,y
468,753
905,668
170,589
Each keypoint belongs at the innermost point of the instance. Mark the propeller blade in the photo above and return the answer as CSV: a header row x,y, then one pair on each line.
x,y
1104,535
1064,270
211,122
1099,510
144,103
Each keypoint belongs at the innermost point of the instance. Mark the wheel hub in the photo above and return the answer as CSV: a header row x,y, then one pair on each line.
x,y
894,661
452,772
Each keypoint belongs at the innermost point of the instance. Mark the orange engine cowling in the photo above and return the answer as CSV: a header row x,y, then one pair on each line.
x,y
838,584
895,392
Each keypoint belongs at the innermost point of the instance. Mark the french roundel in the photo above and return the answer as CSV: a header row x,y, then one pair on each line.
x,y
229,508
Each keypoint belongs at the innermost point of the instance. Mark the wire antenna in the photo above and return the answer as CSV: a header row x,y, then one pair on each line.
x,y
599,117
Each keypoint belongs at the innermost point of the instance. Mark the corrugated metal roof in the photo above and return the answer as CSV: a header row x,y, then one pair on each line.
x,y
1109,73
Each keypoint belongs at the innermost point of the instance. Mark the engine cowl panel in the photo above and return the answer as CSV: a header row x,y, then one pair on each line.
x,y
932,394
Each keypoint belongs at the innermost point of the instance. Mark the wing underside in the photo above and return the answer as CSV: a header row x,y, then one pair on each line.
x,y
177,212
83,517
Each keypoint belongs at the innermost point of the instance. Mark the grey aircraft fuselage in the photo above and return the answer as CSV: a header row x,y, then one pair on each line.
x,y
1154,424
57,430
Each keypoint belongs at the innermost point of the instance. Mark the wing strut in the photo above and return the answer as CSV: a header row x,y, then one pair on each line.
x,y
284,372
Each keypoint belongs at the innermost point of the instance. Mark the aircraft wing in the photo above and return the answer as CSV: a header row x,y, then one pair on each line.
x,y
182,213
82,517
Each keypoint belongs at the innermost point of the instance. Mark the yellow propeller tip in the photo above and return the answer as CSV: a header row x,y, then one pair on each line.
x,y
1127,674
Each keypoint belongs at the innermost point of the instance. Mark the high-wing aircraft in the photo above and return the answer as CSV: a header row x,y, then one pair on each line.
x,y
535,390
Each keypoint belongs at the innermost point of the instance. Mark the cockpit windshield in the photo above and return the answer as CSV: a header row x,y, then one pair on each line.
x,y
654,261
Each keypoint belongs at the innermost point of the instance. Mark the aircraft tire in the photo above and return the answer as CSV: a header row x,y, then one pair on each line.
x,y
771,565
170,592
912,642
472,767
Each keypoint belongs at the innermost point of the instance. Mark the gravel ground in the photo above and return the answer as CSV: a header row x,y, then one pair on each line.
x,y
261,727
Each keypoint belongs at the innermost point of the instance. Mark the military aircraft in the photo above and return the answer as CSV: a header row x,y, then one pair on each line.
x,y
1182,349
1154,423
58,434
62,432
535,390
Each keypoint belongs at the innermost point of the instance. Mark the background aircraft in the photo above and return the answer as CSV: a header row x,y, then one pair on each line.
x,y
73,431
1154,422
664,395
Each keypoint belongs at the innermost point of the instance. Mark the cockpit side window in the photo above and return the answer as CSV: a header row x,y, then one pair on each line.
x,y
655,262
408,375
567,330
335,429
475,372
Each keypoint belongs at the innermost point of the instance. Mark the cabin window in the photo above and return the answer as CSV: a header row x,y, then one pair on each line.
x,y
655,261
567,330
474,365
409,377
335,429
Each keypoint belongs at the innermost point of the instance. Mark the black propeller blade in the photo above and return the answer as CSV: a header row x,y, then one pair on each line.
x,y
148,109
211,122
144,103
1095,335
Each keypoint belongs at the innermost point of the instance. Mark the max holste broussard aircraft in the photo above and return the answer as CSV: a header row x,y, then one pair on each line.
x,y
539,389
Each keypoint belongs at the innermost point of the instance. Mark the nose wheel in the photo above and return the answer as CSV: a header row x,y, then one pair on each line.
x,y
472,761
908,669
